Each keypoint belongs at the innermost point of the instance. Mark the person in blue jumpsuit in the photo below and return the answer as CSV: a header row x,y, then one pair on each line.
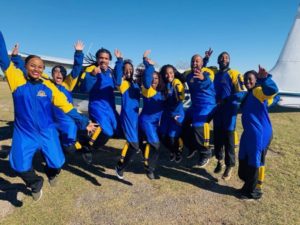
x,y
196,128
130,91
153,105
230,90
34,128
99,82
257,134
173,113
65,83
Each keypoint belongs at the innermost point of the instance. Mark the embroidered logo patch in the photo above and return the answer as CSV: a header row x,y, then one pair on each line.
x,y
41,93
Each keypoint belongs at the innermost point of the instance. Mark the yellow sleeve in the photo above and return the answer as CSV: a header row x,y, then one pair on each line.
x,y
237,80
258,93
69,82
15,77
179,89
58,98
124,86
211,73
148,93
45,76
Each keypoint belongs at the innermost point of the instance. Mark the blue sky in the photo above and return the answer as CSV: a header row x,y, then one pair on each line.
x,y
253,32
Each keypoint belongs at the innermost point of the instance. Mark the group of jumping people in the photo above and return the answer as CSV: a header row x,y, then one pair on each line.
x,y
46,121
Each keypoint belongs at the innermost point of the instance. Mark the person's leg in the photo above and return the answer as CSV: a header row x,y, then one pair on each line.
x,y
129,152
33,181
218,143
188,137
229,154
202,137
53,155
21,157
151,158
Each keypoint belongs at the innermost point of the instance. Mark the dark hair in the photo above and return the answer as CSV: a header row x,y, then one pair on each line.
x,y
161,83
28,58
177,75
62,70
129,62
223,53
103,50
250,72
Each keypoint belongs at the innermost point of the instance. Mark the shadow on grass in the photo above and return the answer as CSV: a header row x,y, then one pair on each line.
x,y
75,165
107,157
8,190
6,132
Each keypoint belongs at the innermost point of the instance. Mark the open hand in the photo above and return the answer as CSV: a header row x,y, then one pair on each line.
x,y
262,73
79,46
118,53
198,74
15,50
208,53
91,128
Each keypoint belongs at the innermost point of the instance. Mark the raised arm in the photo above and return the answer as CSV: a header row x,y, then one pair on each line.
x,y
17,59
15,77
149,70
71,79
267,87
118,70
208,53
4,59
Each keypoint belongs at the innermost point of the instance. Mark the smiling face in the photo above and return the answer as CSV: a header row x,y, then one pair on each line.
x,y
250,81
57,75
128,71
196,63
35,67
223,60
103,60
169,75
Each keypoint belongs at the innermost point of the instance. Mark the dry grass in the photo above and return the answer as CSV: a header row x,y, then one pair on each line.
x,y
182,195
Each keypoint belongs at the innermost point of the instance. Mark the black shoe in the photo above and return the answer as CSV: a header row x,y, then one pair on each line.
x,y
172,156
119,173
178,157
150,175
246,197
191,154
227,173
257,194
203,162
219,167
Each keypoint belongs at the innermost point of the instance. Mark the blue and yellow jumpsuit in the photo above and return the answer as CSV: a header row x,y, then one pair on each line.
x,y
196,130
230,90
65,125
102,109
256,137
171,128
153,105
129,115
34,127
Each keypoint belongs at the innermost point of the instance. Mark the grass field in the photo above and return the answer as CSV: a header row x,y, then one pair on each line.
x,y
184,194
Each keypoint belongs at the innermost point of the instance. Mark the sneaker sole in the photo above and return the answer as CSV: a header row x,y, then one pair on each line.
x,y
37,196
118,175
204,165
